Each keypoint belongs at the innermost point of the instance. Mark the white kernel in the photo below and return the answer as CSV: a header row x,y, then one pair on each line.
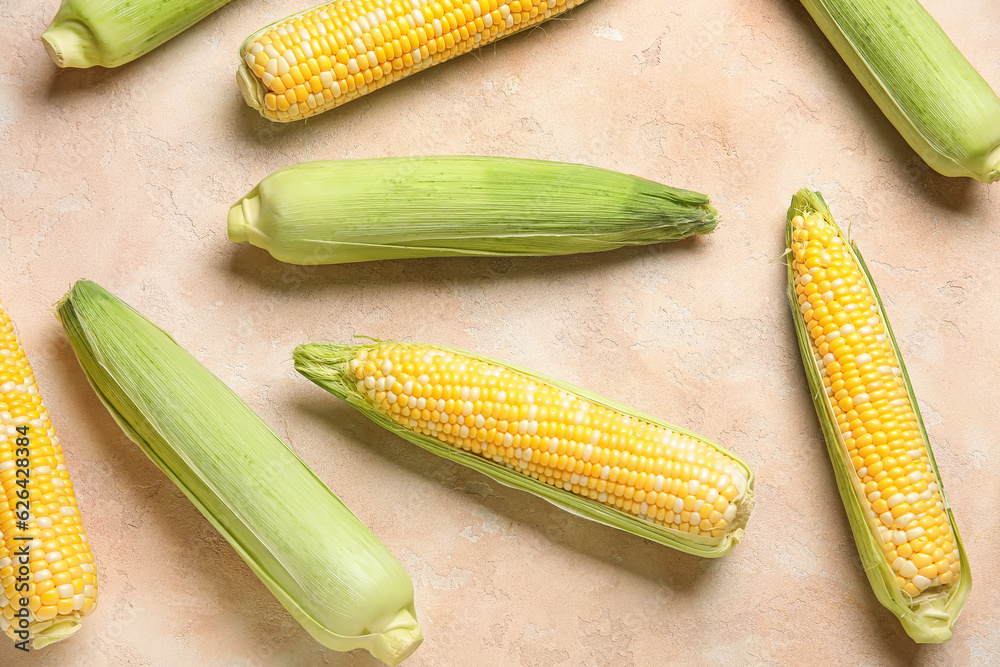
x,y
915,476
886,518
43,522
412,402
921,581
914,533
722,483
480,421
912,497
899,538
78,601
408,387
605,471
678,505
43,470
898,563
874,495
464,431
729,514
658,483
391,397
904,520
53,556
65,590
895,499
467,409
43,575
508,439
847,329
7,387
712,496
588,451
386,367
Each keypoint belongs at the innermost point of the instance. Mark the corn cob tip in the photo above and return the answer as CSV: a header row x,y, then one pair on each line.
x,y
242,217
250,88
70,44
992,170
55,632
396,643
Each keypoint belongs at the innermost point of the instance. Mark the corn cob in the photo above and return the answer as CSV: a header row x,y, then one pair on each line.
x,y
85,33
46,565
327,569
579,451
392,208
924,85
888,480
317,60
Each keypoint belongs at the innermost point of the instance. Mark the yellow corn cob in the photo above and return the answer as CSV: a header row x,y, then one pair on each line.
x,y
885,467
666,481
62,585
315,61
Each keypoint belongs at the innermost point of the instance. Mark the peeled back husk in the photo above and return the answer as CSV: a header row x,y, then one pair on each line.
x,y
321,562
927,618
451,206
924,85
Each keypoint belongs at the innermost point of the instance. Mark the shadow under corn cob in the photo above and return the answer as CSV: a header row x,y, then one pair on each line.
x,y
450,206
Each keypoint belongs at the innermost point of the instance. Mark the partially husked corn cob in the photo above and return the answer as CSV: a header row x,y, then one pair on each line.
x,y
337,211
317,60
920,80
46,566
577,450
886,473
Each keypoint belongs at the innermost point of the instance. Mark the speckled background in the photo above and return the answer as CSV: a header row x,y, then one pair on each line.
x,y
125,176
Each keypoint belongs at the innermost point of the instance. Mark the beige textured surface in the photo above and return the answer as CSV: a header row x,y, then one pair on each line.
x,y
125,177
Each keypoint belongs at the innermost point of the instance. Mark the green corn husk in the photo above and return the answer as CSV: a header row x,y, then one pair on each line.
x,y
85,33
393,208
926,619
328,366
924,85
321,562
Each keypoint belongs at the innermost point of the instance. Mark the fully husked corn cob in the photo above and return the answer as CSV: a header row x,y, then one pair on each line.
x,y
449,206
577,450
924,85
56,578
85,33
318,559
319,59
888,480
